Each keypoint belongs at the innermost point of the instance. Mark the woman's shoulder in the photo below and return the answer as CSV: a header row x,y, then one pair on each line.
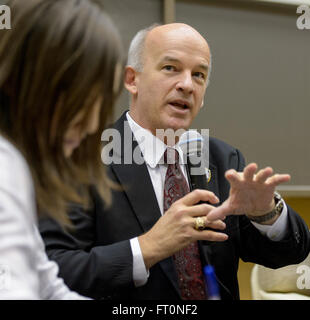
x,y
15,176
8,150
12,162
11,157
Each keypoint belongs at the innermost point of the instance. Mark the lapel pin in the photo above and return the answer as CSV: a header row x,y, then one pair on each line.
x,y
208,174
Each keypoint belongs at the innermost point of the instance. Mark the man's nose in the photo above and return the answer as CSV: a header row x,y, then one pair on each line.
x,y
185,83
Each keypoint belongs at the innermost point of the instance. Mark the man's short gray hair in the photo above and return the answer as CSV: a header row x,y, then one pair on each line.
x,y
136,50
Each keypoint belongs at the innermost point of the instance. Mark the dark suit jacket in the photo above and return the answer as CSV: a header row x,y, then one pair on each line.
x,y
96,259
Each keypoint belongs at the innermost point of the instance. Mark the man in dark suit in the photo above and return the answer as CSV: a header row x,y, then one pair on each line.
x,y
127,250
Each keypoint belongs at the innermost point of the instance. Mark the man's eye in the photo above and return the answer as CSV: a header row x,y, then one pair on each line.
x,y
169,68
200,75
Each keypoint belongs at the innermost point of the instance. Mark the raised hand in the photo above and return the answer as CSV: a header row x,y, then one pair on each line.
x,y
250,193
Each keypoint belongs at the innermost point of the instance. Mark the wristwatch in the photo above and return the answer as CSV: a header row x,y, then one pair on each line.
x,y
268,216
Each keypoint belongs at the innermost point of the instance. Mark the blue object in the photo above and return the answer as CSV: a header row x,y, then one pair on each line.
x,y
212,287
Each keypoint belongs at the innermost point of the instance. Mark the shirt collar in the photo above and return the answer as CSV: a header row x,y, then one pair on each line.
x,y
152,148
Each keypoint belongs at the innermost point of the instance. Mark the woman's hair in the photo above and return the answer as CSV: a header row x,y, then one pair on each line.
x,y
58,59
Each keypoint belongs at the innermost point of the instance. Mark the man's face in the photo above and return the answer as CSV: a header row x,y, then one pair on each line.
x,y
171,86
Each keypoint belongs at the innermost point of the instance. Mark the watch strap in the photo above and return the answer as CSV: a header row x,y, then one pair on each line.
x,y
268,216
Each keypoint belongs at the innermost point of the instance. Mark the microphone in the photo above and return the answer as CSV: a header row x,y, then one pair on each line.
x,y
193,147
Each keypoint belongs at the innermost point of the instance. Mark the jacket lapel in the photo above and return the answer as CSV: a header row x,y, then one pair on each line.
x,y
139,189
213,183
134,178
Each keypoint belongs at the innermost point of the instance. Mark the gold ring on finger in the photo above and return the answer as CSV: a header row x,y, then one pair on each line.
x,y
200,223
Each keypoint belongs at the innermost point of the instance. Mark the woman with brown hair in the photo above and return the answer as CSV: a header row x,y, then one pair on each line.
x,y
60,67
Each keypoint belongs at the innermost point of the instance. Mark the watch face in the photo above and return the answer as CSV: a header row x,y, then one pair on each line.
x,y
279,207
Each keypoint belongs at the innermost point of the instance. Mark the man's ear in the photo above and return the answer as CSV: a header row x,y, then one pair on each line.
x,y
130,81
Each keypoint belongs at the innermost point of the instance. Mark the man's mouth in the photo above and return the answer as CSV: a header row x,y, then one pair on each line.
x,y
180,105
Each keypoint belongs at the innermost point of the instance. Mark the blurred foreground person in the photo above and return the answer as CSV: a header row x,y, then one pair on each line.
x,y
59,75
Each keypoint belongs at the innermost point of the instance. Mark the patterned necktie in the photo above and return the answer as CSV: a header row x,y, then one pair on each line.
x,y
187,260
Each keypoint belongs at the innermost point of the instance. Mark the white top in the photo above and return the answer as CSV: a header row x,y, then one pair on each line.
x,y
26,273
153,149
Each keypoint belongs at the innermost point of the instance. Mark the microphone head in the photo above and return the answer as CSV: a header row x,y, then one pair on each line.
x,y
191,142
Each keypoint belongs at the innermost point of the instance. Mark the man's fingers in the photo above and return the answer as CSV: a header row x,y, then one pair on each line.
x,y
263,175
220,212
249,171
217,224
232,176
248,174
199,195
209,235
199,210
277,179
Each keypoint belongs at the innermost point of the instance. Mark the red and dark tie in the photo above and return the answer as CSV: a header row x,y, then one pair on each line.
x,y
187,260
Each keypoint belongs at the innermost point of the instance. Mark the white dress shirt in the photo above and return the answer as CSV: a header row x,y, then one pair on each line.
x,y
153,150
26,273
